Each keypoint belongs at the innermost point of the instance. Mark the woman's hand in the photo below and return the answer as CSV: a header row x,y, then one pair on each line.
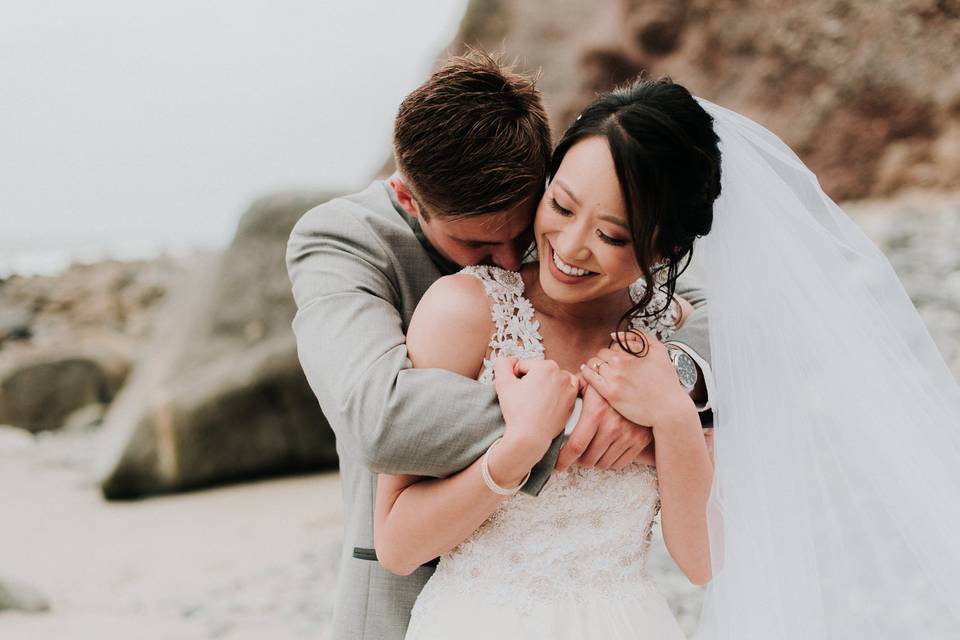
x,y
536,398
645,388
417,518
603,438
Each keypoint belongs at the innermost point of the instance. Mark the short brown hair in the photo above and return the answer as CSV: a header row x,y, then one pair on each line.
x,y
473,139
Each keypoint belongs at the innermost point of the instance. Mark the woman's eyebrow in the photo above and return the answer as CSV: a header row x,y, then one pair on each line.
x,y
620,222
609,218
563,185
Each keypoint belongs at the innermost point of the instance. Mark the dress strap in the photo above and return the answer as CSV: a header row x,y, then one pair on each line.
x,y
516,332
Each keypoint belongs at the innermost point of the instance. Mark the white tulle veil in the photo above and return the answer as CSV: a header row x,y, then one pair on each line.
x,y
835,510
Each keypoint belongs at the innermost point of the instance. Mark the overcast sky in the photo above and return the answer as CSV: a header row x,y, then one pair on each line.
x,y
140,124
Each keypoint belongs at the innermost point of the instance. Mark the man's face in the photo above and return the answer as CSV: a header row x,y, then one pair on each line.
x,y
500,238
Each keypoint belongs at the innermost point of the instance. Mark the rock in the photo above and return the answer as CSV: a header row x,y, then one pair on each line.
x,y
67,341
108,296
14,324
41,386
21,597
86,416
858,88
218,394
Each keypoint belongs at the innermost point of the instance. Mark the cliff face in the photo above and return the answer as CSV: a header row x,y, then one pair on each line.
x,y
866,91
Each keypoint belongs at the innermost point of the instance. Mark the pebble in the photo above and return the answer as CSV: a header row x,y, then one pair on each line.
x,y
21,597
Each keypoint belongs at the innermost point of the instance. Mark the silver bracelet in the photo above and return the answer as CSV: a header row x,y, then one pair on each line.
x,y
487,480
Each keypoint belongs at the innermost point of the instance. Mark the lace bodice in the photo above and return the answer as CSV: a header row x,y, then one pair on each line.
x,y
517,332
587,532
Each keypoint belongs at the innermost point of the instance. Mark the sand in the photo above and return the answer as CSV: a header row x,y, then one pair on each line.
x,y
245,562
254,560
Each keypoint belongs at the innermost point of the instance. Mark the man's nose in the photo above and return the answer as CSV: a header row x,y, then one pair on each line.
x,y
508,258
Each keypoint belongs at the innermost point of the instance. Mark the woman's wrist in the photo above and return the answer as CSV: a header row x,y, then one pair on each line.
x,y
491,483
679,415
511,460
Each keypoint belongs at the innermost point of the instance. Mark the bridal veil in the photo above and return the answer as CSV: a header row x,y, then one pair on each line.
x,y
835,510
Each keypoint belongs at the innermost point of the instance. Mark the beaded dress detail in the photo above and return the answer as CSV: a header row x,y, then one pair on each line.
x,y
572,557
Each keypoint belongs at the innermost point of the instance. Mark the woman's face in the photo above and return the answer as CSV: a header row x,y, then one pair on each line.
x,y
581,228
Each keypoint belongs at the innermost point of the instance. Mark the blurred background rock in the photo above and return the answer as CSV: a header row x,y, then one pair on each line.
x,y
126,379
860,90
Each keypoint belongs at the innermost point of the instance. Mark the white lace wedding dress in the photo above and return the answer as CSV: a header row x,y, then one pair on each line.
x,y
568,564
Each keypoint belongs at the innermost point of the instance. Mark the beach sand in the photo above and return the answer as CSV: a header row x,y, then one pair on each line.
x,y
255,560
245,562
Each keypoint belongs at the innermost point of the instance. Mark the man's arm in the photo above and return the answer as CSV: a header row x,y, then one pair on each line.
x,y
694,333
694,338
397,419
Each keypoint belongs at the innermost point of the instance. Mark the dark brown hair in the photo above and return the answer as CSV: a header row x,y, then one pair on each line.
x,y
473,138
667,159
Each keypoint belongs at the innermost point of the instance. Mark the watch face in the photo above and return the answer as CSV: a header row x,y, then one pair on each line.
x,y
686,369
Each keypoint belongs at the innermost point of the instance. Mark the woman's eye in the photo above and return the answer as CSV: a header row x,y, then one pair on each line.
x,y
617,242
556,207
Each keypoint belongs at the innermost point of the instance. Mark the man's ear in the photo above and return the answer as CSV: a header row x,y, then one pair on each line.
x,y
404,197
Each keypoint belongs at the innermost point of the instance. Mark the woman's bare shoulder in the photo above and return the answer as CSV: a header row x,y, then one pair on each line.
x,y
451,326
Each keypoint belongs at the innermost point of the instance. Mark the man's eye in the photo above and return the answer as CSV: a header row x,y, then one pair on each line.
x,y
556,207
617,242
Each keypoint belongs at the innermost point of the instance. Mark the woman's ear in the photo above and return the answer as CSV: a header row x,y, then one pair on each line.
x,y
405,197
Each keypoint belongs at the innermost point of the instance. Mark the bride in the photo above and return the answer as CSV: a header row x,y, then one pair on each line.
x,y
833,506
570,563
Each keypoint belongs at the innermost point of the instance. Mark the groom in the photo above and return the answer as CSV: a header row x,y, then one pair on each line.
x,y
472,146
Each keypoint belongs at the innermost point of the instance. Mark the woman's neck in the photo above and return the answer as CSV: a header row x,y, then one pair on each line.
x,y
597,314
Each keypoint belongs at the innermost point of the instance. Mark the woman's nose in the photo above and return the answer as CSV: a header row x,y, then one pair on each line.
x,y
571,243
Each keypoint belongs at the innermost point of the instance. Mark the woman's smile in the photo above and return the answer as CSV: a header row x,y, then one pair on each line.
x,y
565,272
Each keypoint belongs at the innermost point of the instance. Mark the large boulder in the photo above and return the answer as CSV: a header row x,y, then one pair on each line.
x,y
40,386
859,88
218,393
67,341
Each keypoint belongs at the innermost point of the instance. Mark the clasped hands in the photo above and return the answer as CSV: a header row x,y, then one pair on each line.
x,y
625,398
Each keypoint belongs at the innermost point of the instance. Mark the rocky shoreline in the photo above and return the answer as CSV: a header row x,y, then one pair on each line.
x,y
161,377
185,562
184,362
69,342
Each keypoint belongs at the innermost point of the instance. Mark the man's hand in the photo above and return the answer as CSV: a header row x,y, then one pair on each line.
x,y
603,438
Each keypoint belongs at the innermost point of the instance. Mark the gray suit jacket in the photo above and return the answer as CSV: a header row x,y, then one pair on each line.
x,y
359,265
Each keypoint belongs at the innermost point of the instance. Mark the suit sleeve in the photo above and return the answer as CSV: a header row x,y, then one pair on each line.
x,y
695,332
350,340
694,336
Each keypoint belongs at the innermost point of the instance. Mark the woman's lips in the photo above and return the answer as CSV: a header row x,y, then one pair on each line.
x,y
560,276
